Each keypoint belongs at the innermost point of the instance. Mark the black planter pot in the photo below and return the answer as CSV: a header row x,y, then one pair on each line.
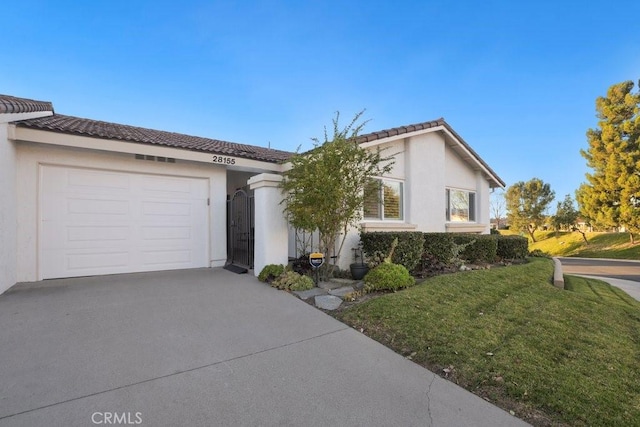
x,y
358,271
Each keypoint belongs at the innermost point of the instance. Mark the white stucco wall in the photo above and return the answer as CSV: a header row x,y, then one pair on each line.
x,y
458,174
8,218
31,155
425,182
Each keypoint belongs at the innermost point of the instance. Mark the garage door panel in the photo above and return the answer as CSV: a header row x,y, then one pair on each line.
x,y
166,233
97,234
176,258
121,227
167,188
166,209
85,180
91,206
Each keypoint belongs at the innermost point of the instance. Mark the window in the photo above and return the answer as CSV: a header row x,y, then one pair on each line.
x,y
461,206
383,200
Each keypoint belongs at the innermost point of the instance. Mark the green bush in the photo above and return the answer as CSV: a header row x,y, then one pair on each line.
x,y
438,247
388,277
479,247
292,281
408,253
539,254
512,247
270,272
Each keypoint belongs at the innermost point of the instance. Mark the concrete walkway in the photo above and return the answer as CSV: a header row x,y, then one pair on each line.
x,y
206,347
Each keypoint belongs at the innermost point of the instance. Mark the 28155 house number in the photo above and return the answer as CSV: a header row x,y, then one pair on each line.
x,y
224,160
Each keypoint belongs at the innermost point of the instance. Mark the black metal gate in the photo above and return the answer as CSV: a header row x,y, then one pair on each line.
x,y
240,229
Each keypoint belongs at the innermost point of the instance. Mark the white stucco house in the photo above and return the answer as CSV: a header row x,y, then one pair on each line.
x,y
81,197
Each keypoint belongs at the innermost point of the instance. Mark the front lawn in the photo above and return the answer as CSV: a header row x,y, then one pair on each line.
x,y
507,334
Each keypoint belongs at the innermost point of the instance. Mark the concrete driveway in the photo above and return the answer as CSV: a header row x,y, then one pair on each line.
x,y
205,347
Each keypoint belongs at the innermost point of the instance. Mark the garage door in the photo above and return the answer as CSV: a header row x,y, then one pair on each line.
x,y
101,222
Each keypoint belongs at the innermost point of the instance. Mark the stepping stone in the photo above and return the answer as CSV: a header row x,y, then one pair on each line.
x,y
329,285
340,292
328,302
310,293
344,282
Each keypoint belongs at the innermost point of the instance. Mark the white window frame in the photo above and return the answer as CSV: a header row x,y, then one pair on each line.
x,y
381,202
472,206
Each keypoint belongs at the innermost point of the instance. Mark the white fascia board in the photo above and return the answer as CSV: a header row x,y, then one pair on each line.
x,y
16,117
110,145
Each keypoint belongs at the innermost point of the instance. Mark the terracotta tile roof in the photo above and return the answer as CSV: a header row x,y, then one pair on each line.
x,y
98,129
13,105
387,133
401,130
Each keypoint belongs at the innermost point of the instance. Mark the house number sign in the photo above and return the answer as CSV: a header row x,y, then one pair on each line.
x,y
224,160
316,259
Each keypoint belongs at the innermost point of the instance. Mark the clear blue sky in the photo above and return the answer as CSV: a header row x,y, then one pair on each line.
x,y
518,80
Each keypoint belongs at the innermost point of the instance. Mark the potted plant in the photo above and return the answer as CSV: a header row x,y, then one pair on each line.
x,y
358,269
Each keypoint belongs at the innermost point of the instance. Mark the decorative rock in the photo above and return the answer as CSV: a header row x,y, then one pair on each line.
x,y
329,285
343,282
340,292
310,293
328,302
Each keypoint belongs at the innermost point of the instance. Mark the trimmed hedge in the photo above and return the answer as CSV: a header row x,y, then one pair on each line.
x,y
512,247
481,247
408,253
439,246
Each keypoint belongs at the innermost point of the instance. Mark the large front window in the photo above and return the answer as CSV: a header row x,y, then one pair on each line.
x,y
383,200
461,206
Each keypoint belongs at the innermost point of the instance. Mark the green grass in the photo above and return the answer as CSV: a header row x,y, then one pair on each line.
x,y
601,245
598,289
508,335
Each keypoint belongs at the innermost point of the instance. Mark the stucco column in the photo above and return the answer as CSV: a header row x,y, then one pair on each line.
x,y
483,194
271,232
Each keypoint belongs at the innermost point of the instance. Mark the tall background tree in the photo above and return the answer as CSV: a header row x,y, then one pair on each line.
x,y
611,195
566,217
324,188
498,208
526,205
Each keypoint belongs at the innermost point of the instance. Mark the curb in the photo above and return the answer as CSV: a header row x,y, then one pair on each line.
x,y
558,279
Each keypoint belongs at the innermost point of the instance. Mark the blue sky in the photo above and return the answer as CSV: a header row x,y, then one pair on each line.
x,y
517,80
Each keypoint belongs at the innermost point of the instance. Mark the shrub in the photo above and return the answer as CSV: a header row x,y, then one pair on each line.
x,y
479,247
270,272
388,276
539,253
512,247
438,247
292,281
408,252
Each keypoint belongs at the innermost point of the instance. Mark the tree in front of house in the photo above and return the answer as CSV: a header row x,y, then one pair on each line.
x,y
324,187
566,217
611,195
526,205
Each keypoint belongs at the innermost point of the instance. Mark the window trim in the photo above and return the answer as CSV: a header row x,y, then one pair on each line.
x,y
381,202
473,206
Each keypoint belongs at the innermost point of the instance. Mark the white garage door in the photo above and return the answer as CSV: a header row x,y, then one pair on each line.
x,y
101,222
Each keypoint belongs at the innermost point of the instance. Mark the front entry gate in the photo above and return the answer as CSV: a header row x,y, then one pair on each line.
x,y
240,229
